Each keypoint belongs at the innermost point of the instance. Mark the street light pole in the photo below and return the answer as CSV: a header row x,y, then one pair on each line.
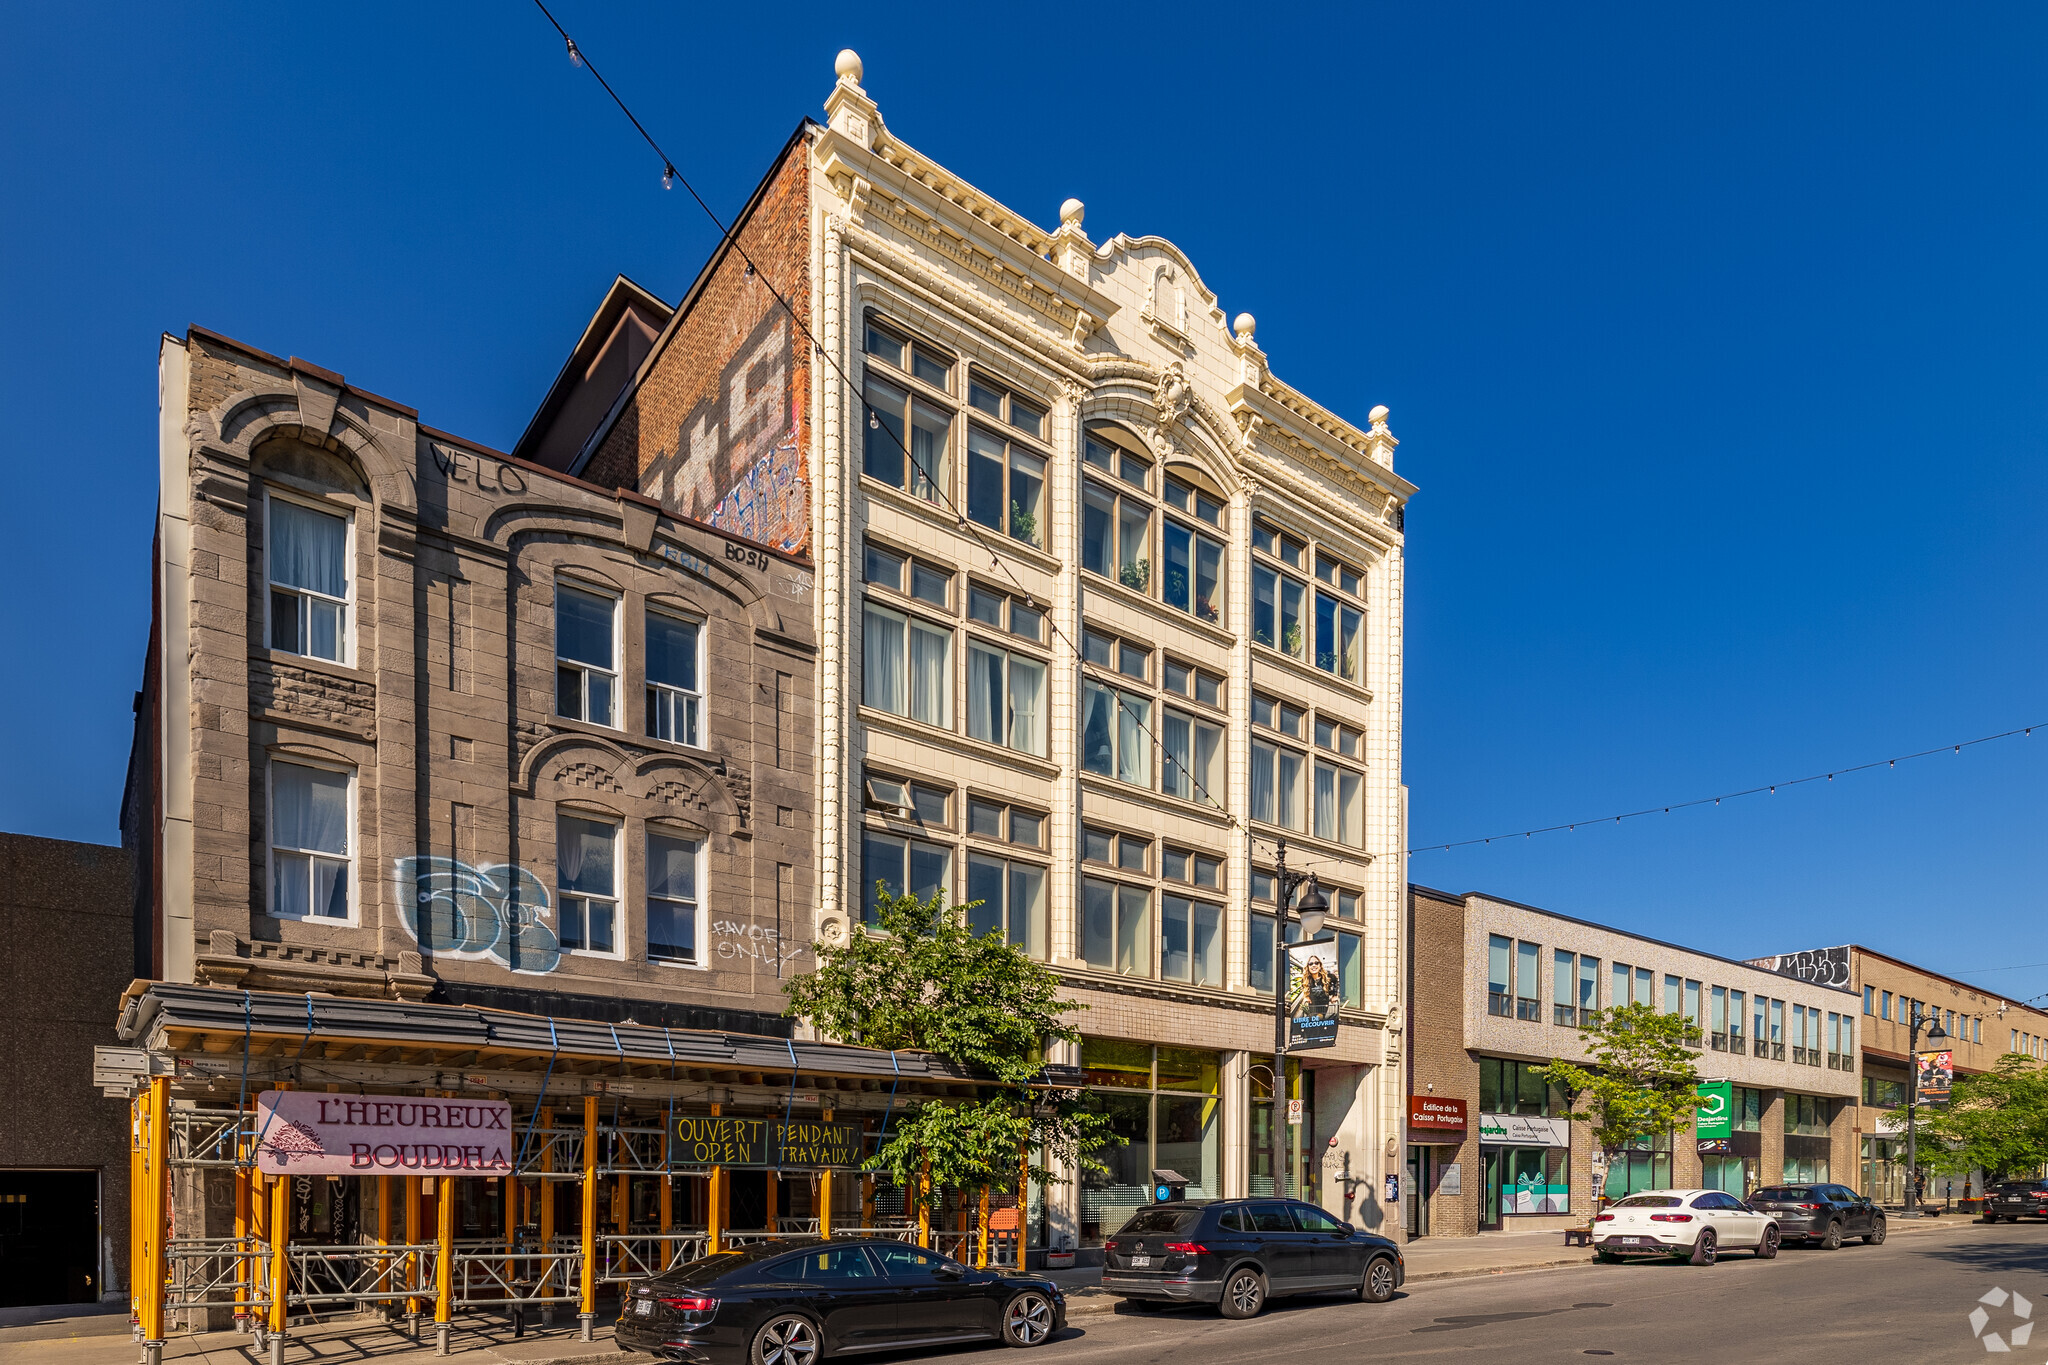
x,y
1935,1033
1314,906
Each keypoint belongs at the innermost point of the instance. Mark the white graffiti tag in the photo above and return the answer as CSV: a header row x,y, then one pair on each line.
x,y
736,940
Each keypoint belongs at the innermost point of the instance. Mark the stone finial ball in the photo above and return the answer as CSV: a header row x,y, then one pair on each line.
x,y
1377,415
1072,212
1244,325
847,64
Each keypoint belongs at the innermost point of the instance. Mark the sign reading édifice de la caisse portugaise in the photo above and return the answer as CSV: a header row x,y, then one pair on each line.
x,y
303,1132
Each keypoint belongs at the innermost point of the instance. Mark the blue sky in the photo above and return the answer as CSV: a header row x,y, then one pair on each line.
x,y
1714,340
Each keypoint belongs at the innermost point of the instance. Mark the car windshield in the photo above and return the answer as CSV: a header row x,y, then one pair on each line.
x,y
1649,1201
1161,1220
1792,1192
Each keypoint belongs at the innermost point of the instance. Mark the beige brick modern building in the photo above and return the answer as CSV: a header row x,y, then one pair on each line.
x,y
1506,986
1104,610
1981,1028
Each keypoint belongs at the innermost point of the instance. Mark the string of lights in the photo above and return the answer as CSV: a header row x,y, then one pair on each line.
x,y
1769,787
671,177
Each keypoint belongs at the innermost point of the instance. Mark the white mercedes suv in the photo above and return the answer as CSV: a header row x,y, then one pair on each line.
x,y
1694,1224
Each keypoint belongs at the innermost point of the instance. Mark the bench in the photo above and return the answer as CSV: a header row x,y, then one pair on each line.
x,y
1578,1237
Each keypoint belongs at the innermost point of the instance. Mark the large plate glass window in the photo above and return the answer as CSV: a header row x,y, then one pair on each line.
x,y
308,556
1116,523
906,433
1116,927
310,863
586,655
1337,815
1340,620
1012,896
1191,558
1276,596
1191,758
1005,478
675,690
1276,785
907,666
1005,698
587,877
899,866
673,899
1190,941
1113,734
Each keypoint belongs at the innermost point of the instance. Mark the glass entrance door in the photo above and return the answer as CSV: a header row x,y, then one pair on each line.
x,y
1415,1192
1489,1189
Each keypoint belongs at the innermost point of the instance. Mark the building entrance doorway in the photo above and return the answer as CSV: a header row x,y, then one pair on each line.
x,y
49,1237
1415,1192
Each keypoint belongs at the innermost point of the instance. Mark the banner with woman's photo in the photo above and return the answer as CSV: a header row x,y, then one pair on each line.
x,y
1312,994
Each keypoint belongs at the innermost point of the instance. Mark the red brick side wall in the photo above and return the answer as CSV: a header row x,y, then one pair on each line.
x,y
720,430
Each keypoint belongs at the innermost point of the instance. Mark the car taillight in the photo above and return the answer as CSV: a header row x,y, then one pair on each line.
x,y
1603,1217
1186,1249
1810,1208
697,1305
1109,1245
1671,1218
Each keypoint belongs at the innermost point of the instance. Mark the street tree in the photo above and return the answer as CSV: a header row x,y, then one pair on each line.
x,y
1641,1083
1995,1121
921,979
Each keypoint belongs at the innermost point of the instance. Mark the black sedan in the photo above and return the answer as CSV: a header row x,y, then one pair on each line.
x,y
794,1303
1820,1214
1237,1253
2017,1199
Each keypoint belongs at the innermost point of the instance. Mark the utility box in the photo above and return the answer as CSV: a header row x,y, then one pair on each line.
x,y
1168,1187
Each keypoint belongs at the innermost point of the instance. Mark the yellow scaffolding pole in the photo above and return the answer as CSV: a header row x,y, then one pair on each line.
x,y
825,1191
924,1205
384,1231
280,1238
981,1253
156,1147
444,1262
714,1215
412,1239
588,1298
668,1184
136,1217
242,1263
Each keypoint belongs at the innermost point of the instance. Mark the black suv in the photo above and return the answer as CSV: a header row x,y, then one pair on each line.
x,y
1822,1214
2017,1199
1237,1253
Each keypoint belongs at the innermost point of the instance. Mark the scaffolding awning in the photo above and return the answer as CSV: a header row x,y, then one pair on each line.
x,y
170,1019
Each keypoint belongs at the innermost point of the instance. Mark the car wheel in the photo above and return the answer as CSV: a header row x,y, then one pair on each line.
x,y
1378,1284
1244,1294
1028,1320
1875,1235
1703,1250
1767,1249
786,1339
1832,1241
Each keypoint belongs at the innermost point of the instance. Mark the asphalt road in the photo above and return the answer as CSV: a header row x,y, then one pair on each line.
x,y
1907,1300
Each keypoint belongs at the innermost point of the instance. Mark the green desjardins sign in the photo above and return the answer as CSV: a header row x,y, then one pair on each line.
x,y
1715,1115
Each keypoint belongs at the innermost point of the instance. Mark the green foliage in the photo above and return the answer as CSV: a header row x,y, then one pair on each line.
x,y
1996,1121
1136,574
927,982
1023,524
1642,1082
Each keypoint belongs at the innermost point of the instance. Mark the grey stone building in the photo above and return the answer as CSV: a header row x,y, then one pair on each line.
x,y
424,720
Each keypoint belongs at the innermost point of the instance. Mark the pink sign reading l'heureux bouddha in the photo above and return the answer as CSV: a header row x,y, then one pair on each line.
x,y
304,1132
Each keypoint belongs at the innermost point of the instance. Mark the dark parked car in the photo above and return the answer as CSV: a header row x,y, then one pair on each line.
x,y
791,1303
2017,1199
1237,1253
1820,1214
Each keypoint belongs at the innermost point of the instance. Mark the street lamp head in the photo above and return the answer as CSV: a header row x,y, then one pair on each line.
x,y
1935,1033
1312,908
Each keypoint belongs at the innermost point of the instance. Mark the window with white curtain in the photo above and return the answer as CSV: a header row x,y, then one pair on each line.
x,y
1336,804
308,557
1191,749
586,655
311,867
675,903
1114,739
906,666
587,878
1276,785
1011,901
1005,698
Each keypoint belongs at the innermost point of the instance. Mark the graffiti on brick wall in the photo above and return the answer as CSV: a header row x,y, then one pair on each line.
x,y
1819,966
765,946
494,913
737,462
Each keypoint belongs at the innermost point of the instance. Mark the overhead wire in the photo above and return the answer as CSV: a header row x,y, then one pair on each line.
x,y
1770,787
730,239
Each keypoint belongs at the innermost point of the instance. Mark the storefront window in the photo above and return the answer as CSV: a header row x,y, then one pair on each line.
x,y
1163,1101
1514,1088
1646,1166
1536,1180
1749,1110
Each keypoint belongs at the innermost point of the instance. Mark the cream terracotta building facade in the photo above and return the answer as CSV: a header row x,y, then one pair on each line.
x,y
1104,609
1063,699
